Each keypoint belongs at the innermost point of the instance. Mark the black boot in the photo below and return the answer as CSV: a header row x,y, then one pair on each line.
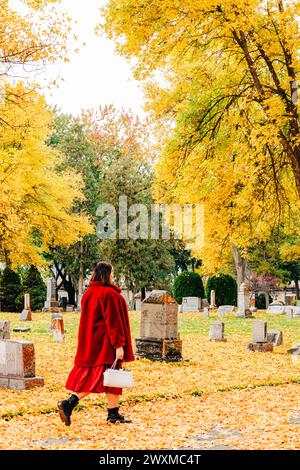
x,y
115,417
65,408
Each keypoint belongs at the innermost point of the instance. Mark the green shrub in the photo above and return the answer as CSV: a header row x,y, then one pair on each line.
x,y
10,289
188,284
34,285
225,288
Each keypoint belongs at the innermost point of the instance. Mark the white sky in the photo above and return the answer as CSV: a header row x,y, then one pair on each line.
x,y
96,75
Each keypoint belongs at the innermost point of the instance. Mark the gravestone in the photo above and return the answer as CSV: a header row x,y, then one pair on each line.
x,y
159,338
19,329
275,337
259,331
289,312
295,349
276,309
253,304
26,312
213,299
259,338
296,311
216,332
206,312
223,309
191,304
55,316
4,329
70,308
58,330
204,303
51,304
243,302
17,365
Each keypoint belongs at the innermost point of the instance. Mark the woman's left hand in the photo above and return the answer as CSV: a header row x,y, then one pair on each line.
x,y
120,354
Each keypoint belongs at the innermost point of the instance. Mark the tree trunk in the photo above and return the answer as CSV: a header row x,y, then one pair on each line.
x,y
7,258
296,281
240,266
81,277
143,293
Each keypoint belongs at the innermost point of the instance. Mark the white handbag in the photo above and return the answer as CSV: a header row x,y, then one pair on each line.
x,y
118,377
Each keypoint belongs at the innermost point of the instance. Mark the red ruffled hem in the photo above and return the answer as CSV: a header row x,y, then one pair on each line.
x,y
90,380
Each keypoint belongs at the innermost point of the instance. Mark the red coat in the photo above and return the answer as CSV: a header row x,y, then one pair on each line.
x,y
104,326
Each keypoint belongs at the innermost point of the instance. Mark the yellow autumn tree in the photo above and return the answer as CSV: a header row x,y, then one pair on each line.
x,y
221,84
36,197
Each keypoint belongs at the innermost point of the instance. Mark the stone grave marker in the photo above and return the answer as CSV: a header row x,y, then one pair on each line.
x,y
275,337
206,312
216,332
17,365
70,308
243,302
253,304
276,309
4,329
259,338
213,299
26,312
191,304
58,330
51,304
19,329
223,309
159,338
289,312
296,311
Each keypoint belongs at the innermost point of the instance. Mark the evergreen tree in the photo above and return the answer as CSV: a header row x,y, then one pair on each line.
x,y
34,285
10,288
225,288
188,284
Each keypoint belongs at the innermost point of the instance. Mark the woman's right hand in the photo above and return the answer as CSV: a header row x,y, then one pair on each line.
x,y
120,354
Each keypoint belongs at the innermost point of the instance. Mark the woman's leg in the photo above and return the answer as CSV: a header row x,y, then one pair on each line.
x,y
113,409
112,400
65,407
80,395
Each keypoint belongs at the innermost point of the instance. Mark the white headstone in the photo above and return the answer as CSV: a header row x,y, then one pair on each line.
x,y
243,300
296,311
191,304
216,332
259,332
212,299
276,309
206,312
289,312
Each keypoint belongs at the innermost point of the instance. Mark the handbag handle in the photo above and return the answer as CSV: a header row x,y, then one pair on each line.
x,y
115,363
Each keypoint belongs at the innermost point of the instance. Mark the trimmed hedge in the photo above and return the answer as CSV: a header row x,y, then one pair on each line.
x,y
225,287
188,284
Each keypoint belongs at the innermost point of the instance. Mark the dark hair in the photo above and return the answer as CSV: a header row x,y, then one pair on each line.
x,y
102,272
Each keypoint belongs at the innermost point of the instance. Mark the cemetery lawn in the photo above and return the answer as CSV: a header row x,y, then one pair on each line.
x,y
223,392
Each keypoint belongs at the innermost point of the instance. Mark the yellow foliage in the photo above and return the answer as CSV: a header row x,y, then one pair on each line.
x,y
36,199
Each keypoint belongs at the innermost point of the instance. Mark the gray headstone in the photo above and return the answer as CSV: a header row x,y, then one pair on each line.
x,y
275,337
4,329
216,331
191,304
206,312
289,312
259,332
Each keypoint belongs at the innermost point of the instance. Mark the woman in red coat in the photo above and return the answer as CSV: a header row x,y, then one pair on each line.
x,y
103,337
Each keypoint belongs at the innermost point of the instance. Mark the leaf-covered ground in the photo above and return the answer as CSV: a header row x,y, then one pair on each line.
x,y
223,396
